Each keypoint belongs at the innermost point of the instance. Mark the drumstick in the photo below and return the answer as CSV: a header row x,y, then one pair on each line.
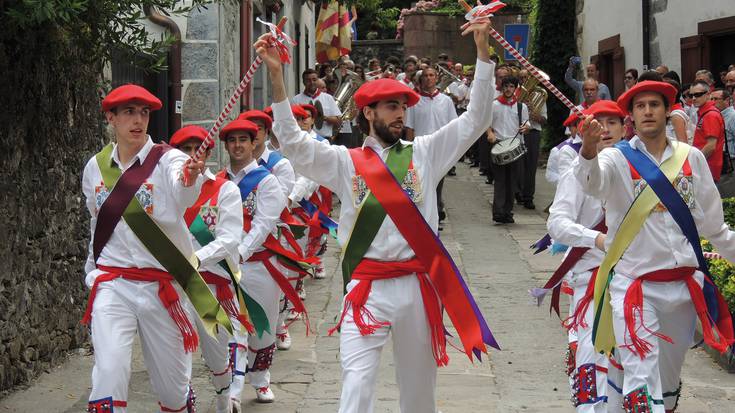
x,y
522,60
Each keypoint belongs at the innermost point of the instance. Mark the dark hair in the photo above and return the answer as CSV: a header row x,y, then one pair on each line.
x,y
307,72
393,60
495,58
725,92
509,80
651,75
362,121
672,75
675,84
410,59
633,72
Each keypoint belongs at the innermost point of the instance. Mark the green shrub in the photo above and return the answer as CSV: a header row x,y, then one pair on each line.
x,y
723,272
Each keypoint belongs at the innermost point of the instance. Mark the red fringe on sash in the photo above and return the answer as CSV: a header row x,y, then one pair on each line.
x,y
227,299
576,320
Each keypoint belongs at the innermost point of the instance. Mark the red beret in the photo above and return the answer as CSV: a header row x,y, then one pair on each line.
x,y
239,125
253,115
384,89
187,132
667,90
310,108
571,120
605,108
130,93
299,112
268,111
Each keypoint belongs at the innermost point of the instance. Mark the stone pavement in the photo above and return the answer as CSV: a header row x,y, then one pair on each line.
x,y
526,376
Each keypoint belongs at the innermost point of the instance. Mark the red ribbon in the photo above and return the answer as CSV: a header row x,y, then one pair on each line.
x,y
226,298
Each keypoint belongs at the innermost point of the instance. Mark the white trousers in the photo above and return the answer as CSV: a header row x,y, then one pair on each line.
x,y
398,301
588,363
260,286
667,309
239,363
121,309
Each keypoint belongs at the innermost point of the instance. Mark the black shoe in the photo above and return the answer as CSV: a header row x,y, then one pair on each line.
x,y
452,172
475,165
529,205
483,172
442,216
489,181
503,219
519,199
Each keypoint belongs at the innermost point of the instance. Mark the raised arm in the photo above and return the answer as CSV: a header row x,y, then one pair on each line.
x,y
594,173
445,146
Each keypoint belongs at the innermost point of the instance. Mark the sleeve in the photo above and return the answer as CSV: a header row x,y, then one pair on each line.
x,y
604,92
302,189
551,166
269,203
571,81
331,108
524,114
708,214
444,147
711,126
564,212
319,161
565,159
596,175
410,116
88,184
285,174
185,196
228,231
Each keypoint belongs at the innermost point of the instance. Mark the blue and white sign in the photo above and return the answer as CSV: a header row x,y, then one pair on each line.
x,y
517,35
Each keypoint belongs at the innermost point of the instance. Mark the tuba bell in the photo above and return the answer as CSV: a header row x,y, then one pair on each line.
x,y
343,97
533,94
446,78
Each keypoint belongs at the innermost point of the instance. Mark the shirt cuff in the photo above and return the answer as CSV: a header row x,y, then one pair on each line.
x,y
282,110
484,70
589,236
201,256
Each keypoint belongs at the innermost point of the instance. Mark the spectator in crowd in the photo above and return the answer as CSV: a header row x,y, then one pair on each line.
x,y
662,69
313,95
673,76
321,86
373,64
577,85
722,99
705,76
677,125
409,70
631,78
443,57
709,134
730,82
360,72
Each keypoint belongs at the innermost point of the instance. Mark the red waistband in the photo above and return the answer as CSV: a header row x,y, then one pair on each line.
x,y
370,269
668,275
136,274
212,278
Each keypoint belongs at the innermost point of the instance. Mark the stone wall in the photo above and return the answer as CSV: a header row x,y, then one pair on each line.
x,y
50,126
364,50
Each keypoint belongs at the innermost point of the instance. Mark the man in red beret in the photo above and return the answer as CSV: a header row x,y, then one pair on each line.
x,y
262,199
577,220
387,265
659,285
215,223
131,291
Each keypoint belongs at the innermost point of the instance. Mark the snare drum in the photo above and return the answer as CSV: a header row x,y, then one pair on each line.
x,y
507,151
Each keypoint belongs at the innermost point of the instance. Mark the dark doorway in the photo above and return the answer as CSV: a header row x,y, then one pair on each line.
x,y
610,62
722,54
126,70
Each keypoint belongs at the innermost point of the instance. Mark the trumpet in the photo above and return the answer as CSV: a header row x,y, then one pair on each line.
x,y
375,74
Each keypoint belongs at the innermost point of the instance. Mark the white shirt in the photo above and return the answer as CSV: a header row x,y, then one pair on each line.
x,y
505,119
402,78
164,198
571,219
543,113
282,170
430,114
566,156
660,244
459,89
269,202
329,108
670,128
227,231
433,156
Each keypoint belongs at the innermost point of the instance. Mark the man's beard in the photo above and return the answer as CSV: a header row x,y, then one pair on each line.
x,y
384,133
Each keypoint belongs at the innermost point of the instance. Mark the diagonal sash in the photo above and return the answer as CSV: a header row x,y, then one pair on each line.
x,y
444,274
157,242
602,332
554,283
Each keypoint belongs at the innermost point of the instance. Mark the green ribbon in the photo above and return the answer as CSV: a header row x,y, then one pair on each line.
x,y
256,313
166,253
371,214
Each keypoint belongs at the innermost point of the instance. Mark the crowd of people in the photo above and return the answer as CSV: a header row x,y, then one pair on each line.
x,y
187,258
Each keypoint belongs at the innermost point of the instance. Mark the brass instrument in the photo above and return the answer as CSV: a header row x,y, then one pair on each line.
x,y
446,78
533,94
319,119
375,74
343,97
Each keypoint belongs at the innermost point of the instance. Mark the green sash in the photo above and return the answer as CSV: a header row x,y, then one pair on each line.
x,y
371,214
248,306
602,333
165,252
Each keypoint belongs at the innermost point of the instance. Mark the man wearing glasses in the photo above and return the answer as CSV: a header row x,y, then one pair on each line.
x,y
722,99
709,135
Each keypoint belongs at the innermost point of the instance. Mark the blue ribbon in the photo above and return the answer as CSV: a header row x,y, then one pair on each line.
x,y
678,209
273,158
324,220
251,180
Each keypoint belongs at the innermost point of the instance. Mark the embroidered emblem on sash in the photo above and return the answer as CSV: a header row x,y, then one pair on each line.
x,y
248,204
411,185
145,197
684,186
209,215
100,196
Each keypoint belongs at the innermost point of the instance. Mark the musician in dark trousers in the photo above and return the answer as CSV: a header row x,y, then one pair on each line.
x,y
537,119
510,122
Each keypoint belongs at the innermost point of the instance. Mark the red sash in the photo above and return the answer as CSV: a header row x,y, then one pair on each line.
x,y
429,250
210,190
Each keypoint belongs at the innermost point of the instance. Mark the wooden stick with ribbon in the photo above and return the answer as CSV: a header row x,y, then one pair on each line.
x,y
487,11
280,40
